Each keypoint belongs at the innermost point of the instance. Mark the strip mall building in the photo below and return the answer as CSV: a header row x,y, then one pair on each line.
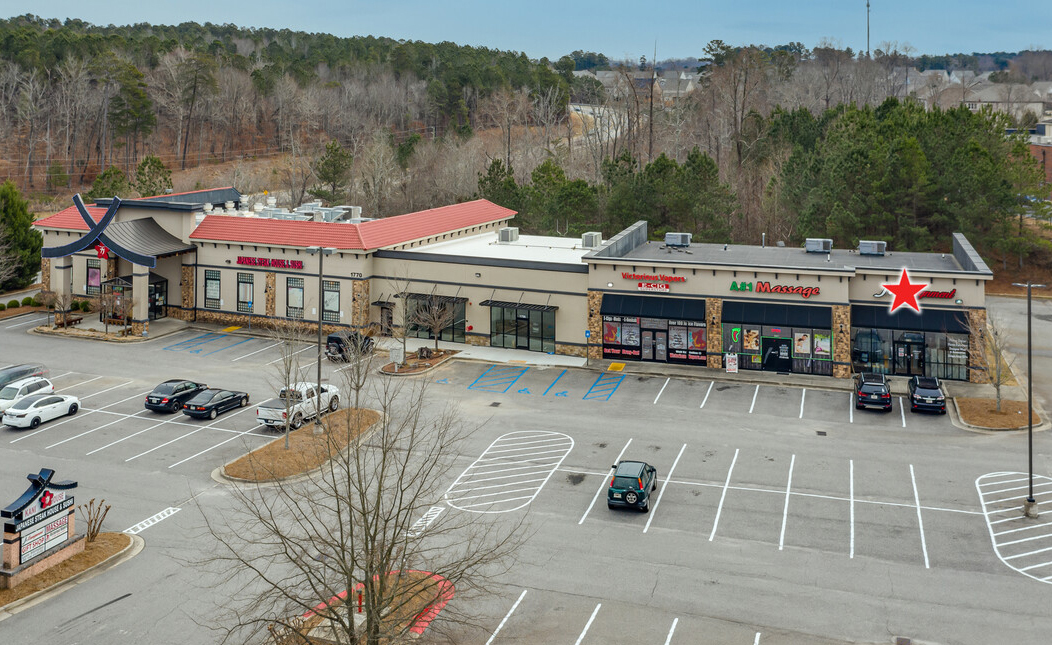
x,y
817,311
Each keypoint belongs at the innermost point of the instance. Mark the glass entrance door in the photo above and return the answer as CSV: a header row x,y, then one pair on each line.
x,y
909,359
661,346
775,352
648,346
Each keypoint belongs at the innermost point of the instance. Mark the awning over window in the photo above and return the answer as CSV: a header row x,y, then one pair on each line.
x,y
653,307
941,320
383,303
517,305
767,313
434,297
146,236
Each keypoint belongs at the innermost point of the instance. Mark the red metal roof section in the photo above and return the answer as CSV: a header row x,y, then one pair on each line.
x,y
376,234
70,219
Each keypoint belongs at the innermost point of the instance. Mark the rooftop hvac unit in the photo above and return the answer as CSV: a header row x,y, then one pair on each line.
x,y
272,201
818,245
591,240
677,239
870,247
508,234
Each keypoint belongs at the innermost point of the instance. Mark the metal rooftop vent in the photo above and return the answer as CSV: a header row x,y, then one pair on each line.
x,y
818,245
591,240
508,234
870,247
677,240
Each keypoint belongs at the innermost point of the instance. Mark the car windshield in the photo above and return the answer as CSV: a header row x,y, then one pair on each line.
x,y
165,388
8,393
927,384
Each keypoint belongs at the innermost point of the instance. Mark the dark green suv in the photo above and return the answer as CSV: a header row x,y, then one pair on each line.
x,y
631,485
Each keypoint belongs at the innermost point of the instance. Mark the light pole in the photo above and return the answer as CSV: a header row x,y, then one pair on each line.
x,y
1030,505
321,252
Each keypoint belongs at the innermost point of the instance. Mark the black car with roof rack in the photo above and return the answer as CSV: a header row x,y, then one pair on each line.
x,y
926,394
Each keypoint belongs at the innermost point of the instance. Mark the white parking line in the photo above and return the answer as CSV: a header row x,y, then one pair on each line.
x,y
707,392
61,389
355,363
255,352
156,425
920,522
785,510
902,410
226,441
603,484
850,408
851,490
186,435
86,432
86,413
88,396
754,399
723,496
756,641
588,624
662,390
27,322
506,617
802,393
59,375
671,631
278,360
150,521
662,491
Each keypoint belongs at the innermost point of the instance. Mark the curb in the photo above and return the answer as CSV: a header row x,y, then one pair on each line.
x,y
46,331
964,425
219,473
135,546
424,371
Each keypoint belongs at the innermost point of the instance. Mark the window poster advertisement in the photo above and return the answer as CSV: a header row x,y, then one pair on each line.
x,y
677,337
697,339
823,346
751,340
630,333
94,276
801,344
611,333
212,289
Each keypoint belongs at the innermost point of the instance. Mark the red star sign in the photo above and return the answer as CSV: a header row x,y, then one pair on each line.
x,y
905,292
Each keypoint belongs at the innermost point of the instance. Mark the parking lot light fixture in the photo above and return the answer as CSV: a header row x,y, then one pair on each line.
x,y
1030,505
321,253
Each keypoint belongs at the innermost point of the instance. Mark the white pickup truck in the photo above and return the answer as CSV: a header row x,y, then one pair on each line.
x,y
298,403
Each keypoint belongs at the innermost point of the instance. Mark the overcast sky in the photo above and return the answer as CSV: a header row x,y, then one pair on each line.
x,y
616,28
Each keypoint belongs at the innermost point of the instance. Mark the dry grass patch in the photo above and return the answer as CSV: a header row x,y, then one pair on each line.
x,y
416,365
307,450
983,412
105,546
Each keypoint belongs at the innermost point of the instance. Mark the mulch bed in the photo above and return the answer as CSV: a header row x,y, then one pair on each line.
x,y
104,546
983,413
18,311
414,365
306,450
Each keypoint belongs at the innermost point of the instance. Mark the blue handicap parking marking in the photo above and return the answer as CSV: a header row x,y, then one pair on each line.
x,y
563,393
442,380
524,390
498,378
196,341
552,384
604,387
223,349
194,351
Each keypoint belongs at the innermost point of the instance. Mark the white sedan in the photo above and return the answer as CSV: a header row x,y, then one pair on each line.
x,y
38,408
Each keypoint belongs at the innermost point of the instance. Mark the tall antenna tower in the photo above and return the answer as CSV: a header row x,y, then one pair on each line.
x,y
867,28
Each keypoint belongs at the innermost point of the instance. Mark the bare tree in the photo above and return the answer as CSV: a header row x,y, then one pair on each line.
x,y
401,287
8,259
378,173
355,525
291,336
106,303
434,313
992,359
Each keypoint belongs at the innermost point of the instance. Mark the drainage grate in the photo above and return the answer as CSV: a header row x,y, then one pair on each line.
x,y
820,433
903,641
495,404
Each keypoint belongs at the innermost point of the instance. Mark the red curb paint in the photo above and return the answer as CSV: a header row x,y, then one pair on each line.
x,y
423,619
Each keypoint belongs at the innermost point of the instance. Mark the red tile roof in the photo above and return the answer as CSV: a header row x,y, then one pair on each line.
x,y
376,234
70,219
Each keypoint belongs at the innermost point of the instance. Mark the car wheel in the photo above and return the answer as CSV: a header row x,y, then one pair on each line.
x,y
334,403
212,414
631,498
173,408
646,506
35,422
610,506
244,401
653,486
73,409
297,421
859,406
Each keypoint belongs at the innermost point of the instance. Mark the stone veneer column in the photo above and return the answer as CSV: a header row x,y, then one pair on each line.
x,y
976,346
111,268
841,341
271,282
360,304
714,332
45,274
595,324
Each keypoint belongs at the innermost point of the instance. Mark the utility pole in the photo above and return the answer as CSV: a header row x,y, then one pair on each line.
x,y
867,29
653,83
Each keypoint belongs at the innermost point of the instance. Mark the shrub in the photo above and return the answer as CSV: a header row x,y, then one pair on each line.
x,y
13,304
27,301
2,306
37,303
74,305
85,306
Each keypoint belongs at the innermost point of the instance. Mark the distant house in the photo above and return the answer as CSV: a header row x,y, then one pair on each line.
x,y
1014,99
584,73
621,85
675,86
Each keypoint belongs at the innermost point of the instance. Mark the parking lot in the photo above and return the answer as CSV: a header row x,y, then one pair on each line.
x,y
782,514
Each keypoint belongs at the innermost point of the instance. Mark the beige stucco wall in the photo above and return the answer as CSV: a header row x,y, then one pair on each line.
x,y
971,291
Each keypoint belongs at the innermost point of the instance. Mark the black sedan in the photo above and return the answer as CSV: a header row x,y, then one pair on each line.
x,y
172,394
926,394
212,402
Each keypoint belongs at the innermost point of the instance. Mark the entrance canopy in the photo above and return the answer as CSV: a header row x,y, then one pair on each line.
x,y
146,237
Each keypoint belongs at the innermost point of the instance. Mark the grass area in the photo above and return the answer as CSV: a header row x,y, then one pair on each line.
x,y
104,546
307,450
983,412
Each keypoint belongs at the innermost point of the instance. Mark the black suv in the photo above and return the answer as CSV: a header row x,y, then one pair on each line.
x,y
926,394
631,485
172,394
872,389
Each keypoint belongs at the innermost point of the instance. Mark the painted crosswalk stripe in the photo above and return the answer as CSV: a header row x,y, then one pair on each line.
x,y
150,521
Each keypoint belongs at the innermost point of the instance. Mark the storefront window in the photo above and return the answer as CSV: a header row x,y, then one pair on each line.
x,y
424,311
93,287
294,297
244,292
871,350
822,352
947,355
522,328
212,291
331,301
548,333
